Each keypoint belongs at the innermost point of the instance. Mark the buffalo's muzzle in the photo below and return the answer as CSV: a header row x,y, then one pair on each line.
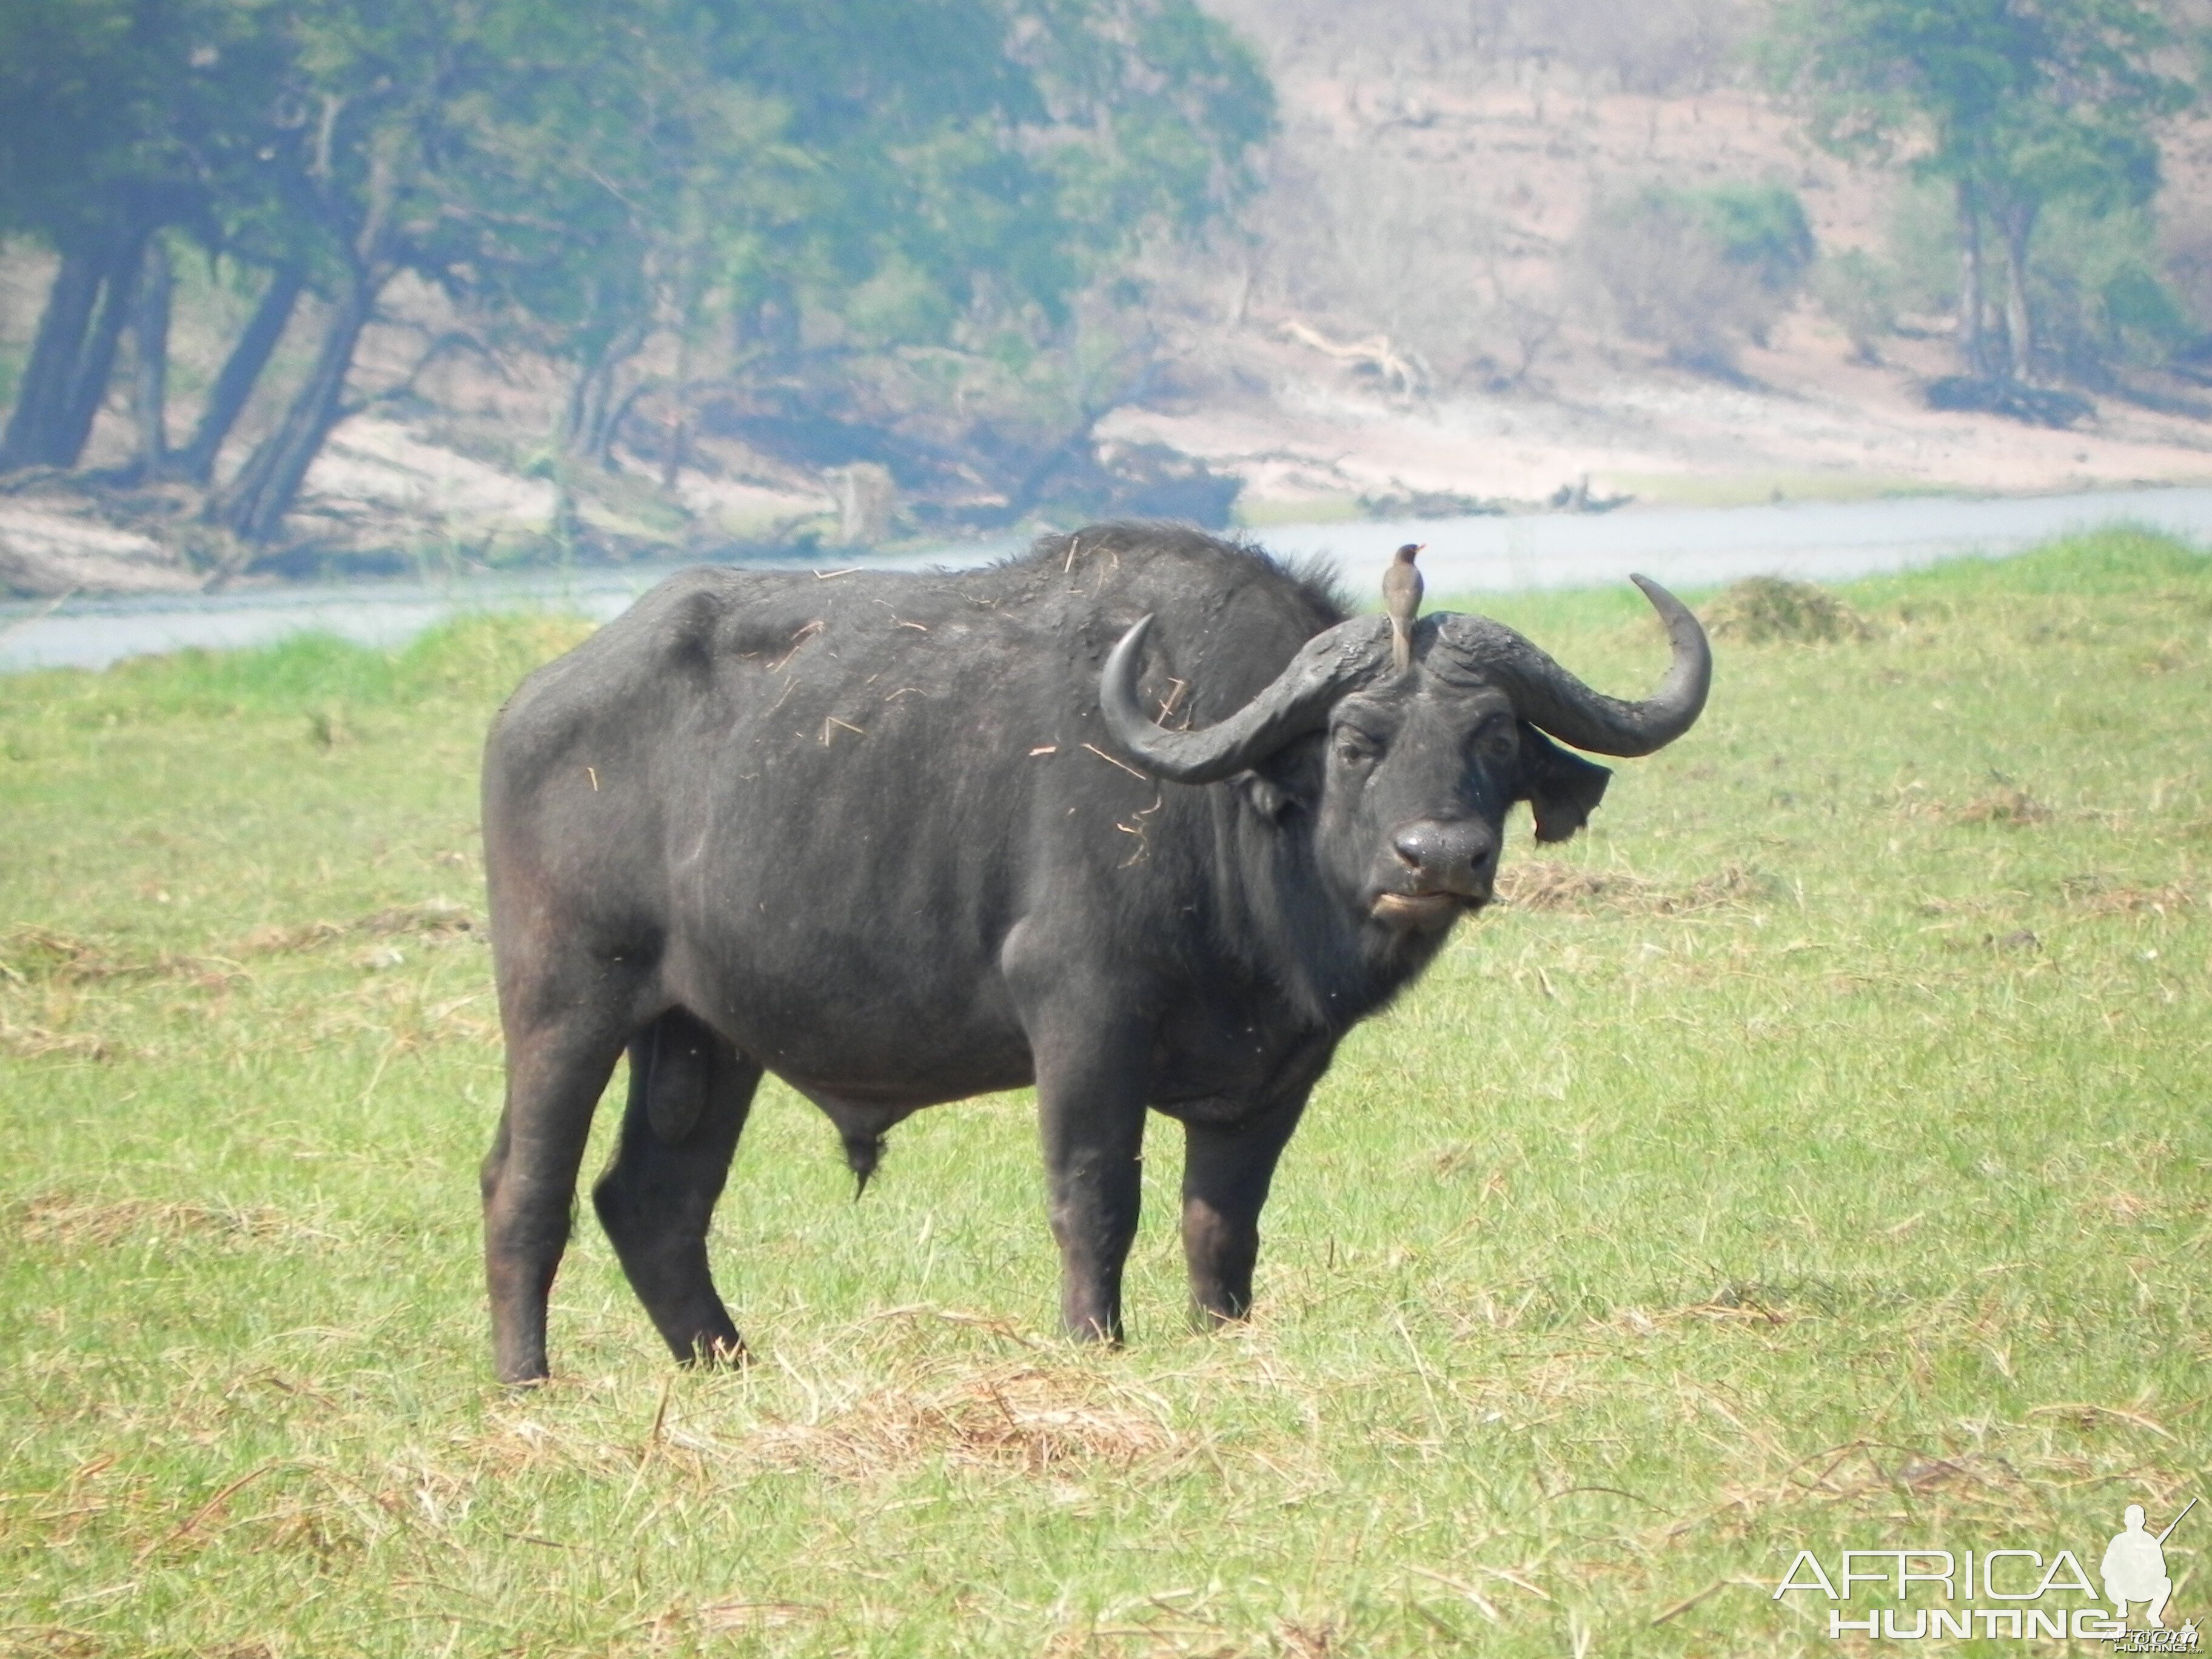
x,y
1459,856
1444,867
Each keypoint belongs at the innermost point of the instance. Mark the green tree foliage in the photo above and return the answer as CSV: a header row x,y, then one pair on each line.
x,y
1762,228
2101,298
118,118
872,177
591,175
2015,104
396,163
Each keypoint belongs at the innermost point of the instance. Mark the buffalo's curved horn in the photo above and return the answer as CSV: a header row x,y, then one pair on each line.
x,y
1549,697
1327,665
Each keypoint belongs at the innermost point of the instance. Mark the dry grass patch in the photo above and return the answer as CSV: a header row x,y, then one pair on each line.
x,y
37,1042
1033,1418
391,1010
2007,804
2120,1208
434,919
277,938
1172,1625
686,1629
57,1219
1546,884
2010,804
50,1642
41,953
31,955
722,1616
2101,895
1721,1310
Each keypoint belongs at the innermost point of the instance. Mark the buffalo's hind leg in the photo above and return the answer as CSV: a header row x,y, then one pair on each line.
x,y
1226,1173
689,1092
557,1069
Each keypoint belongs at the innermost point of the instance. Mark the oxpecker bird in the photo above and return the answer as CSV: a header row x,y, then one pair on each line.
x,y
1401,597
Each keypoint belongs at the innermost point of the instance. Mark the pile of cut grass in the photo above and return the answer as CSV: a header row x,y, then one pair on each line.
x,y
1766,609
1812,1156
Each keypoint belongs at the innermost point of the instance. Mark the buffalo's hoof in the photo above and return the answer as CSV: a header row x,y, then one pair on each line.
x,y
716,1353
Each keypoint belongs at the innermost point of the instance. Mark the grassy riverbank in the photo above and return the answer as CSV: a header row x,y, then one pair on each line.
x,y
1816,1156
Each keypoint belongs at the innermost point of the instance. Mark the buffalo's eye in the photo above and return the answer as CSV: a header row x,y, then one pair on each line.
x,y
1356,748
1501,743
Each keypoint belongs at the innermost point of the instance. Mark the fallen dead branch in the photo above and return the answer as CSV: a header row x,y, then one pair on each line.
x,y
1375,354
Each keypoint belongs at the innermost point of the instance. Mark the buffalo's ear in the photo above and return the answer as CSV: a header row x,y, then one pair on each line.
x,y
1562,788
1287,781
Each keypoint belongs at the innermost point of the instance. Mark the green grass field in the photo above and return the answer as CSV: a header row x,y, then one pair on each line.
x,y
1815,1155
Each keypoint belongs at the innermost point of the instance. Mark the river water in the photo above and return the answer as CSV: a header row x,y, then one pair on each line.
x,y
1688,547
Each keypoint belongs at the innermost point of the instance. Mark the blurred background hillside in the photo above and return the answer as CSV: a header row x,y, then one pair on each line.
x,y
299,286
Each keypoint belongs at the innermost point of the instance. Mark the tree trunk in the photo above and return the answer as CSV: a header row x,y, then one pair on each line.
x,y
2018,220
241,370
149,387
35,420
1973,345
73,356
611,421
587,395
254,507
583,421
96,366
588,421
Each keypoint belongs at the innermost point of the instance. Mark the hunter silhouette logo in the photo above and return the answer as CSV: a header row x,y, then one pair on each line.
x,y
2024,1588
2134,1567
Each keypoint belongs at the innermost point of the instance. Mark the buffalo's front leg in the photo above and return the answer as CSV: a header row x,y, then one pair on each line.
x,y
689,1092
1091,1078
1225,1176
1094,1139
1092,1050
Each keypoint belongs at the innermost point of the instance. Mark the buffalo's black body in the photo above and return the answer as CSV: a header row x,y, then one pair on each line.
x,y
875,834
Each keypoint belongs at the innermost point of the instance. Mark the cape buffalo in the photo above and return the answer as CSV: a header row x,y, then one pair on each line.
x,y
901,838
